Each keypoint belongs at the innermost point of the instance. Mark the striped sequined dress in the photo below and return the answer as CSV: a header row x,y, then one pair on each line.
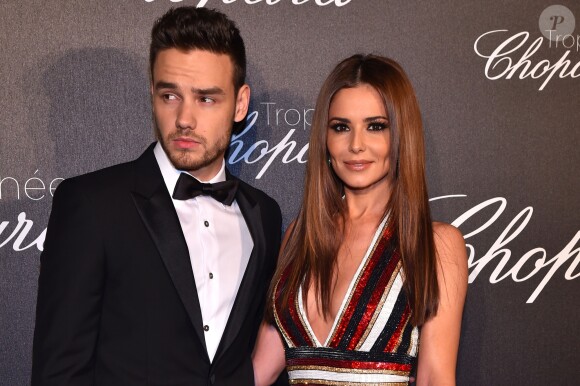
x,y
371,341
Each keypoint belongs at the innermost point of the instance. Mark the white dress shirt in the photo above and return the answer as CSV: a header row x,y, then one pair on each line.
x,y
219,245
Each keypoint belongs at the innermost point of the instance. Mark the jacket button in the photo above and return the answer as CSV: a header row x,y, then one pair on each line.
x,y
212,379
206,328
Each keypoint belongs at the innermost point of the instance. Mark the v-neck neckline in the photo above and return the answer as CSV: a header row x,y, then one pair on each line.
x,y
347,295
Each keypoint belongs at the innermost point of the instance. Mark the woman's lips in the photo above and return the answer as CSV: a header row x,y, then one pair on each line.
x,y
357,165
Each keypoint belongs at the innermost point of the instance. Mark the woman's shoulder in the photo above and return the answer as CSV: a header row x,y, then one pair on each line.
x,y
444,231
449,243
452,265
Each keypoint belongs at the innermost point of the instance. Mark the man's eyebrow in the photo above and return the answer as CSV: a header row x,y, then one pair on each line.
x,y
199,91
161,84
208,91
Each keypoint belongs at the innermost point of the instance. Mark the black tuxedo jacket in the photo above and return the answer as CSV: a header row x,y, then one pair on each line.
x,y
117,301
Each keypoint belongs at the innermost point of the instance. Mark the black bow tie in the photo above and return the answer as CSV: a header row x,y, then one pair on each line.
x,y
188,187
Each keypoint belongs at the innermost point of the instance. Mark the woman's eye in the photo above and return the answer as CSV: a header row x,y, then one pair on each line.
x,y
339,127
378,126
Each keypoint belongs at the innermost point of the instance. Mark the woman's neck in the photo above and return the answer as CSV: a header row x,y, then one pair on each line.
x,y
368,202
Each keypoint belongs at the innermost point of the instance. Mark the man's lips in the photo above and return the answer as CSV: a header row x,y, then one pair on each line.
x,y
185,143
357,165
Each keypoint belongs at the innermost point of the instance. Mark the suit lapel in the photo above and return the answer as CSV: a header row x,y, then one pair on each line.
x,y
246,293
156,209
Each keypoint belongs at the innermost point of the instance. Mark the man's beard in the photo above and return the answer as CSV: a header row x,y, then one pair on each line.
x,y
188,161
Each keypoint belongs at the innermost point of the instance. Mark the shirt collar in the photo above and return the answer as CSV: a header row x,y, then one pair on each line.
x,y
171,174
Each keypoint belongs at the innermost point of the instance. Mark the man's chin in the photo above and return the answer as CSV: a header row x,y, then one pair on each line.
x,y
192,160
187,164
183,159
191,164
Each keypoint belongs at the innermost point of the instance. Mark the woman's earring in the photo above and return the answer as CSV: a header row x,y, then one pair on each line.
x,y
329,162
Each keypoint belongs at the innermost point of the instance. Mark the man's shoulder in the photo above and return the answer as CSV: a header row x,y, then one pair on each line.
x,y
106,182
106,178
119,176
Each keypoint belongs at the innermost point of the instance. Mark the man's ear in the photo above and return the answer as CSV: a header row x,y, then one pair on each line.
x,y
242,103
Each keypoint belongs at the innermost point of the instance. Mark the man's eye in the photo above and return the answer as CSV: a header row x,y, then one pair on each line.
x,y
339,127
206,100
169,97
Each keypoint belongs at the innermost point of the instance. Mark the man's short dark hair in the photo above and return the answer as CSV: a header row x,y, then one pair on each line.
x,y
191,28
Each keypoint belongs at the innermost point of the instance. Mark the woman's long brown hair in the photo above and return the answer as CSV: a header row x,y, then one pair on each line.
x,y
312,248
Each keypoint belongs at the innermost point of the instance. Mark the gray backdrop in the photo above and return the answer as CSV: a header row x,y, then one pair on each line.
x,y
501,119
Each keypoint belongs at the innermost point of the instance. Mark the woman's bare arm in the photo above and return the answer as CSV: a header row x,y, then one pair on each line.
x,y
268,358
439,341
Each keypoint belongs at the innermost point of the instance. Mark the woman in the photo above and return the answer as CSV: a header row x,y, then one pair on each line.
x,y
364,274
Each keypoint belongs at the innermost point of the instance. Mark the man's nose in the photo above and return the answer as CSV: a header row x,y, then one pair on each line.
x,y
186,116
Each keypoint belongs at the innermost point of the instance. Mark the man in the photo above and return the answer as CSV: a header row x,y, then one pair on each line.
x,y
146,278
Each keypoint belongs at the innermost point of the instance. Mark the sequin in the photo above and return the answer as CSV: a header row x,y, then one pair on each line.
x,y
372,341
